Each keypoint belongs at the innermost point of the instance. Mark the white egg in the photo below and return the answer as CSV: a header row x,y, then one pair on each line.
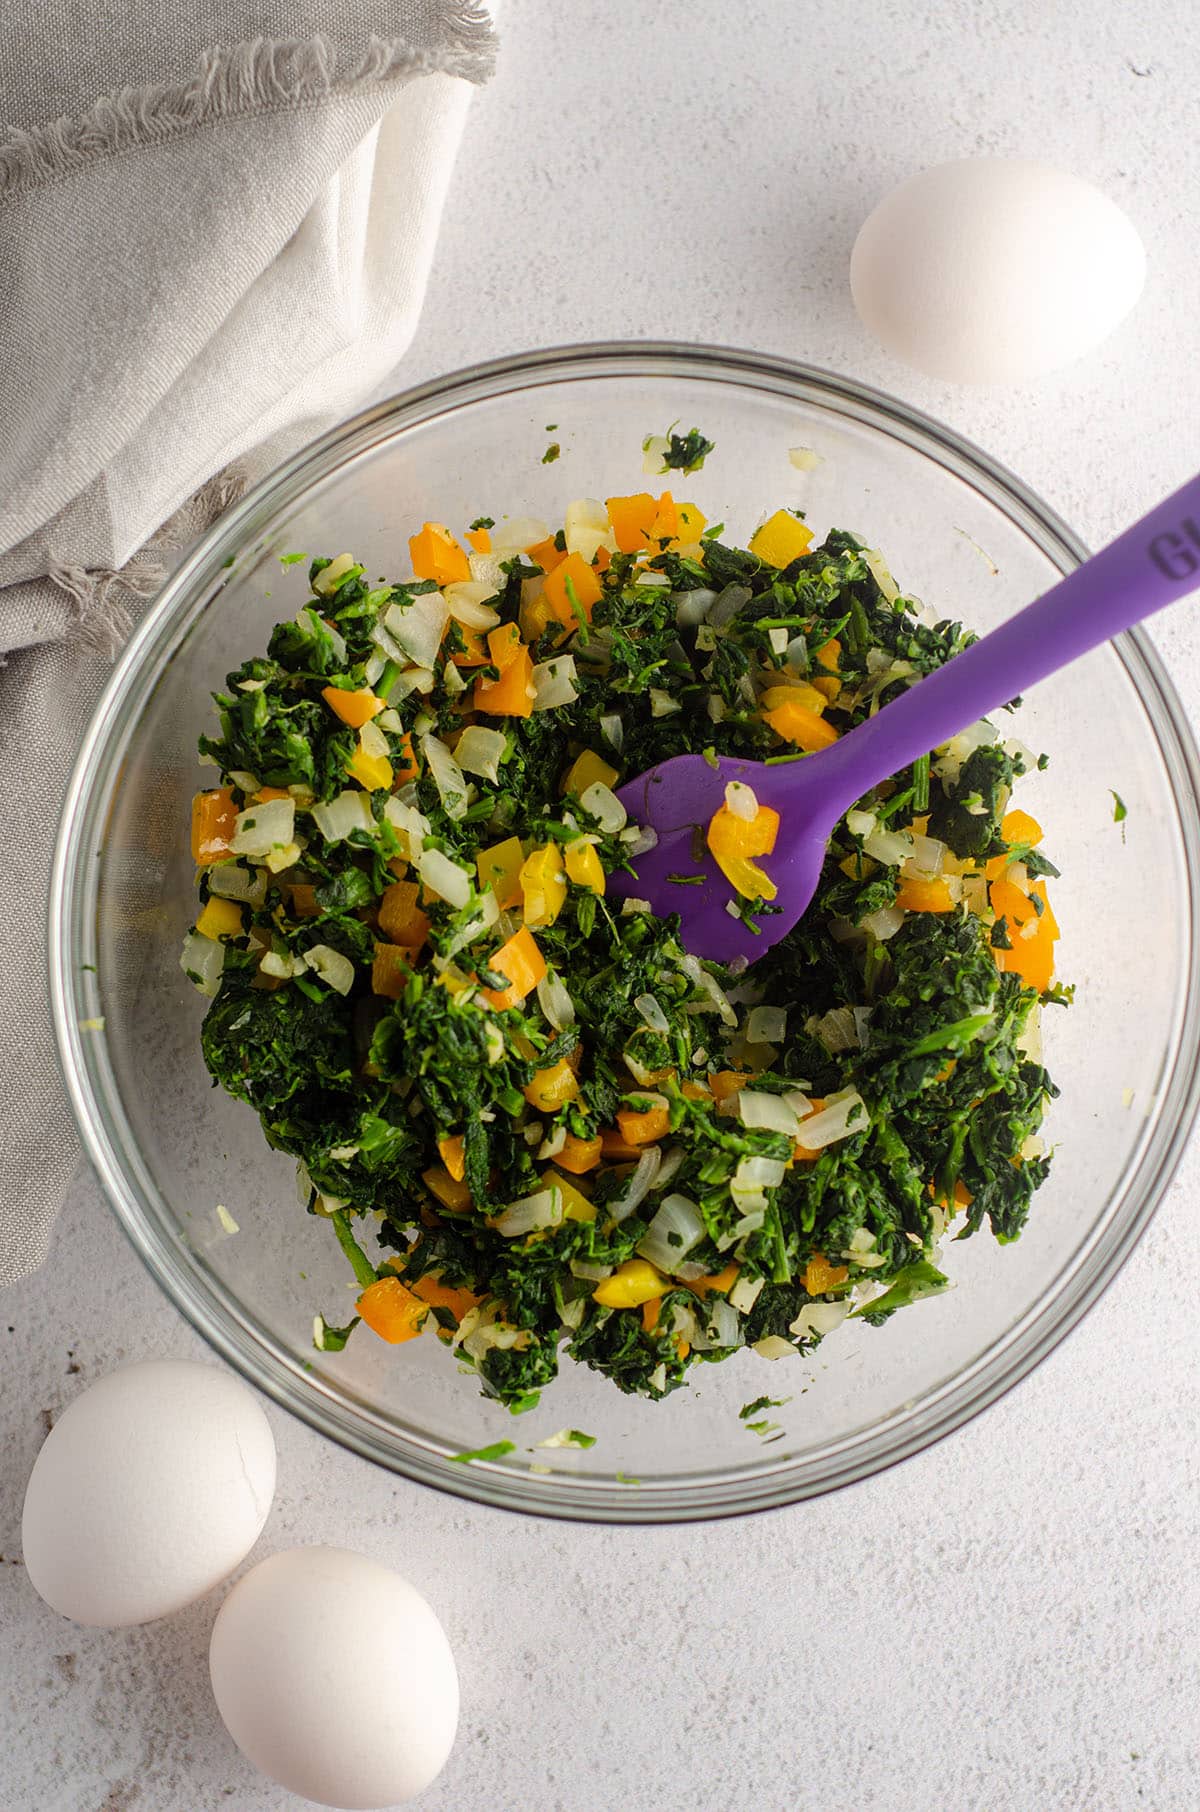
x,y
994,270
149,1490
335,1678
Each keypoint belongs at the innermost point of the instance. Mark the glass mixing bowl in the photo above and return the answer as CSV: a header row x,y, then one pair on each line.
x,y
960,533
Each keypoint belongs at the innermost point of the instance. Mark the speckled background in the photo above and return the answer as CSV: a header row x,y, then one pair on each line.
x,y
1009,1622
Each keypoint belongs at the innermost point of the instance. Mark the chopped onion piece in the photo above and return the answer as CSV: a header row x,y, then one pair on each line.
x,y
260,829
804,459
767,1025
877,566
467,604
372,740
334,968
719,1326
418,624
445,878
202,960
280,965
413,679
727,605
860,824
676,1227
836,1030
480,751
767,1113
862,1022
484,917
746,1292
554,683
586,528
702,979
516,533
655,448
928,855
884,923
488,569
646,839
331,576
691,607
774,1346
662,704
531,1212
892,847
555,1001
817,1319
230,881
845,1114
346,812
651,1013
637,1185
553,1143
603,805
448,777
742,801
591,1273
632,906
245,782
612,729
672,1158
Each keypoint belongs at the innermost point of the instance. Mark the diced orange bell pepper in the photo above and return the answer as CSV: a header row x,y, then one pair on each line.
x,y
829,654
547,554
354,708
717,1283
1018,827
1031,958
1038,887
480,539
725,1083
646,1128
616,1148
733,841
924,896
214,820
578,1155
390,970
373,772
512,694
632,519
474,652
665,526
828,684
265,793
574,573
962,1196
524,965
651,1310
797,723
552,1088
392,1311
400,917
406,766
304,899
453,1153
459,1300
451,1192
821,1276
436,555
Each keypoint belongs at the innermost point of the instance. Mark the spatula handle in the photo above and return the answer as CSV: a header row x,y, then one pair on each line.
x,y
1152,564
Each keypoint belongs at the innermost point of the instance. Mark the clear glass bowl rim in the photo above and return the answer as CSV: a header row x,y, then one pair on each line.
x,y
214,1311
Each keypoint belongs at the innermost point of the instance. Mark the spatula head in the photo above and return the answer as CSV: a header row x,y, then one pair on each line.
x,y
677,800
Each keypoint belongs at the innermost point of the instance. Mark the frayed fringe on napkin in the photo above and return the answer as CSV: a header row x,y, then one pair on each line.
x,y
103,598
261,76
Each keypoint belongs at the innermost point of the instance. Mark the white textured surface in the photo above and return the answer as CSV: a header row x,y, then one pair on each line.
x,y
1007,1623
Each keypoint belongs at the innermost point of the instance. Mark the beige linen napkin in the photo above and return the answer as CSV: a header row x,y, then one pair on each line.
x,y
216,224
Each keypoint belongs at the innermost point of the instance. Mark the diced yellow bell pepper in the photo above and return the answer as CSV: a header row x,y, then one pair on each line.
x,y
734,840
500,869
800,724
220,918
576,1206
374,772
630,1285
584,866
543,886
820,1275
452,1152
1018,827
587,770
552,1088
781,539
691,524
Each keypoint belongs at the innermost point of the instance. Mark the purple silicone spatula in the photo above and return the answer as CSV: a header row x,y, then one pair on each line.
x,y
1151,565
